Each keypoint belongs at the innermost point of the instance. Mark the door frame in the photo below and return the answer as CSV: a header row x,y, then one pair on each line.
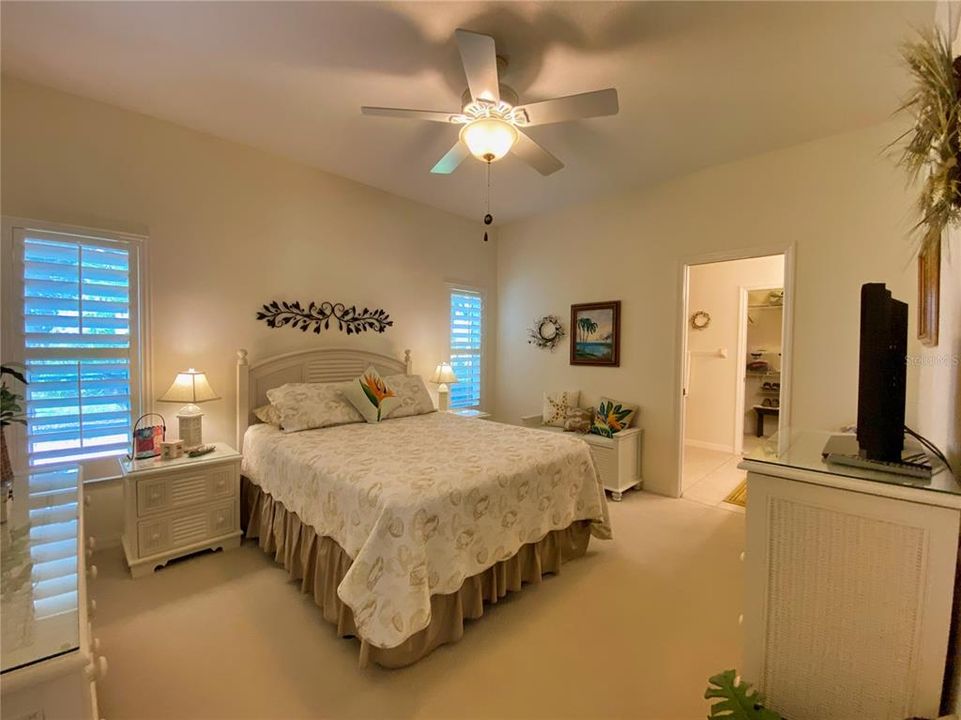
x,y
680,346
741,355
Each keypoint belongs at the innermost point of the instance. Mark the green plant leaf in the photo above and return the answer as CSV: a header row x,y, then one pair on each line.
x,y
12,370
735,701
11,411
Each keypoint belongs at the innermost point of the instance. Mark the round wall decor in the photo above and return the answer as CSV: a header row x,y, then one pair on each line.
x,y
700,320
546,333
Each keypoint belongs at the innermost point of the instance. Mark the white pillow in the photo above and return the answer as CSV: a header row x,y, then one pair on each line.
x,y
303,406
372,396
413,396
268,414
557,404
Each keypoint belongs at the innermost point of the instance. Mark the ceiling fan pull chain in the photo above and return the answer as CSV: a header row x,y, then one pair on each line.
x,y
488,218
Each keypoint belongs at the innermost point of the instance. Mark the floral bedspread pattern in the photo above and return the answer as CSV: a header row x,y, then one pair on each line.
x,y
423,502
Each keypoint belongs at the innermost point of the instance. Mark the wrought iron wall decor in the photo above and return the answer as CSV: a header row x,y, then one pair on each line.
x,y
319,316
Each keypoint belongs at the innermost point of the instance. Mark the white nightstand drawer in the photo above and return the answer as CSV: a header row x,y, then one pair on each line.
x,y
160,494
178,507
153,537
185,528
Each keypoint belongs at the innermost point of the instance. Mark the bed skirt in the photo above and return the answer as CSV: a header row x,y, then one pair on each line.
x,y
320,564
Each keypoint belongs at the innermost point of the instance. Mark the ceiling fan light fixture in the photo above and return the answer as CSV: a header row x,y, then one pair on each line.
x,y
489,138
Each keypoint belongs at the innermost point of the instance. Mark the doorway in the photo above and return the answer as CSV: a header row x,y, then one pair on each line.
x,y
734,365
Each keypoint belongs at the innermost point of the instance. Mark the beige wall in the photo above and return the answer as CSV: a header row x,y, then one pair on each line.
x,y
939,387
712,380
839,201
231,227
939,416
939,368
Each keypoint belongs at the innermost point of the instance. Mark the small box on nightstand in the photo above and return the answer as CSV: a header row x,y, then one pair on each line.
x,y
177,507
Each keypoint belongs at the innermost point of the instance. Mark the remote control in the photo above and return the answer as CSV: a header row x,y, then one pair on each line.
x,y
202,450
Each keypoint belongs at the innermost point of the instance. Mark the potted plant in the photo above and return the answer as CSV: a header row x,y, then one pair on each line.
x,y
11,411
932,151
735,700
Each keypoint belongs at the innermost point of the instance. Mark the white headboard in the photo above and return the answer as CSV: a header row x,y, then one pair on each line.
x,y
315,366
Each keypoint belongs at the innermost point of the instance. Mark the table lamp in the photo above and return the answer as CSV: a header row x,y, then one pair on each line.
x,y
443,375
190,387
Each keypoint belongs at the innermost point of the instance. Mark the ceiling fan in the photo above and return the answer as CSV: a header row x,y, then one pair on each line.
x,y
491,120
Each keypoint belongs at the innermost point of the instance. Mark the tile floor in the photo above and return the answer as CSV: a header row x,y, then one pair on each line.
x,y
710,475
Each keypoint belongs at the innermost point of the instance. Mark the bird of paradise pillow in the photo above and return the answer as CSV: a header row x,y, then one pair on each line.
x,y
612,416
373,398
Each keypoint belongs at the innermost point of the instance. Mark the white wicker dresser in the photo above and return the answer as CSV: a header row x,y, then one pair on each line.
x,y
52,661
850,579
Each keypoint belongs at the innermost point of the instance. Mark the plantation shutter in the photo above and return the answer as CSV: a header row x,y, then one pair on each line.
x,y
53,509
466,346
79,344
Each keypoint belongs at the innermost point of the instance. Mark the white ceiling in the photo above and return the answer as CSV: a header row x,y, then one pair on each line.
x,y
699,83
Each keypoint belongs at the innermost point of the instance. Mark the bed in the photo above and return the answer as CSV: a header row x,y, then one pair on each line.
x,y
403,529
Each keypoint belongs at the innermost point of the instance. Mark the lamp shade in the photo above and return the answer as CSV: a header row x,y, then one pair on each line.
x,y
443,374
489,138
190,386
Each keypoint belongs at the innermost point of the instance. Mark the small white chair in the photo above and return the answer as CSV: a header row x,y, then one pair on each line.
x,y
618,458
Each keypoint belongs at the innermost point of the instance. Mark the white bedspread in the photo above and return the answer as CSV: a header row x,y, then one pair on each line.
x,y
421,503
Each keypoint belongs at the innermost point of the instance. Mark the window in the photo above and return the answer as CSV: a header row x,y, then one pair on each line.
x,y
466,347
79,342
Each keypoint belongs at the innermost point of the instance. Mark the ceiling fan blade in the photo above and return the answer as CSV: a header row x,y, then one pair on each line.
x,y
572,107
535,156
479,56
434,115
452,158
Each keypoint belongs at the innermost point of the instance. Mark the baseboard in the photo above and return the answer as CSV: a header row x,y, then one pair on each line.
x,y
710,446
107,543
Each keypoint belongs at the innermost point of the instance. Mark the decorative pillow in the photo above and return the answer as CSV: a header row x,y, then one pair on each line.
x,y
579,420
413,396
267,414
612,416
372,396
557,404
304,406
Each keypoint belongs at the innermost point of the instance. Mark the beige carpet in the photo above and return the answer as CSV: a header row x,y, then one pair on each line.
x,y
633,630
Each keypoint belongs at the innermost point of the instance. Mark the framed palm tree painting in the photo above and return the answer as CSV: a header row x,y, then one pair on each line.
x,y
596,330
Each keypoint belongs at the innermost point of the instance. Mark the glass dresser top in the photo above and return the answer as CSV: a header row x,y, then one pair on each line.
x,y
802,450
39,580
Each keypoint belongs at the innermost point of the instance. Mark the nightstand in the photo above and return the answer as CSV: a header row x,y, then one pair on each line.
x,y
177,507
471,413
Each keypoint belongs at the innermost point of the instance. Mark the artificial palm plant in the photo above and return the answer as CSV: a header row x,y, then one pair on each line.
x,y
933,143
11,411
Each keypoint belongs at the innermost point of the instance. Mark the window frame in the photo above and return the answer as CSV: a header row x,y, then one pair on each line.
x,y
455,287
15,231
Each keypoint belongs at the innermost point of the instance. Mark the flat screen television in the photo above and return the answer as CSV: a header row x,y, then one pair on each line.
x,y
882,374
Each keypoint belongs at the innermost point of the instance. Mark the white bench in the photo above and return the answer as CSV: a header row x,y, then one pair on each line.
x,y
618,458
